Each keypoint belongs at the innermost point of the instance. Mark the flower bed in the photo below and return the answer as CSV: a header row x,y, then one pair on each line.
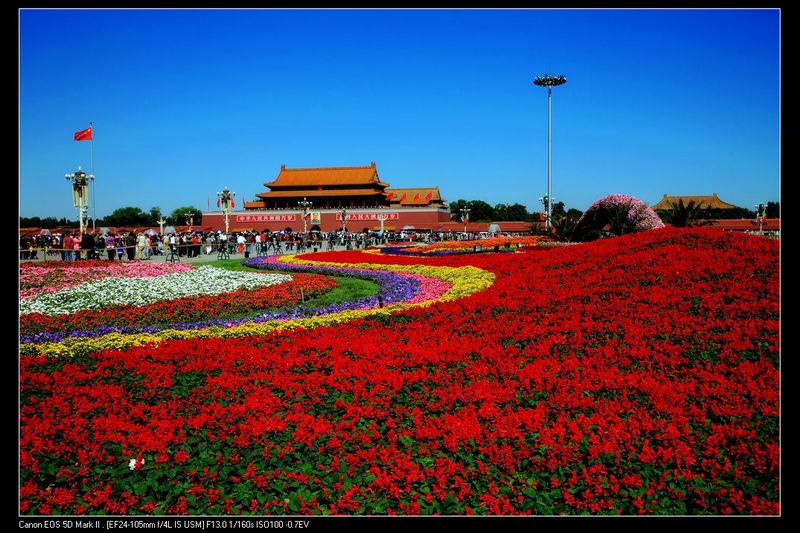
x,y
52,276
401,287
193,308
447,248
635,375
138,291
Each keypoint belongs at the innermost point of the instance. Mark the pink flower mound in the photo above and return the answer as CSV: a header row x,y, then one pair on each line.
x,y
622,213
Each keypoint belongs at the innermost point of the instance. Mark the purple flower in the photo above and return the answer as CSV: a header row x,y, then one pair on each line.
x,y
393,288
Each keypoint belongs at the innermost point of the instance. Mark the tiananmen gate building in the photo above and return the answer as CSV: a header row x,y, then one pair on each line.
x,y
359,190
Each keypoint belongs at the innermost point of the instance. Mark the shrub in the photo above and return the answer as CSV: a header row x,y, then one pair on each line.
x,y
615,214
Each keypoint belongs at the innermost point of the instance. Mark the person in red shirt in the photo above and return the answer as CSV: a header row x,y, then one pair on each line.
x,y
67,245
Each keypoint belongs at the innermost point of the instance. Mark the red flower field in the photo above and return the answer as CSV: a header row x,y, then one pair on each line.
x,y
631,375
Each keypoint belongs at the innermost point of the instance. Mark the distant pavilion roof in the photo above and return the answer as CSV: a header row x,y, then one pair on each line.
x,y
311,193
703,202
355,177
415,196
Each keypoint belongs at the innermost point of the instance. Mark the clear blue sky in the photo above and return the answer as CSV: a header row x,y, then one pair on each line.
x,y
186,102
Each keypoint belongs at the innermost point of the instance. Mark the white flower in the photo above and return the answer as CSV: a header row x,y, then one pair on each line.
x,y
132,463
96,294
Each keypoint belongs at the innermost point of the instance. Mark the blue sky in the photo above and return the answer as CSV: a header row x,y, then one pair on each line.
x,y
186,102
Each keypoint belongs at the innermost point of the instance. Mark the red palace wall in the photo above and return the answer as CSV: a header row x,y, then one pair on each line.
x,y
329,219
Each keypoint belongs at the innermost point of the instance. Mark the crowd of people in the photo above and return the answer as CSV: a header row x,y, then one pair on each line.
x,y
130,245
71,246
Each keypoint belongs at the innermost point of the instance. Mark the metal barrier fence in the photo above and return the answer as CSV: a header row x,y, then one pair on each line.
x,y
121,252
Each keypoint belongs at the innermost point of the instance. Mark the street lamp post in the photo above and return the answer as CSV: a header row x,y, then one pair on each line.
x,y
189,219
161,223
546,201
80,196
761,211
549,81
225,200
304,206
465,217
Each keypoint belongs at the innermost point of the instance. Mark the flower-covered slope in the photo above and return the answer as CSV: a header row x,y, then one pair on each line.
x,y
630,375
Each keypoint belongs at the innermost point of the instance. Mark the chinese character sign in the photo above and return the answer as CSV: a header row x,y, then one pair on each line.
x,y
369,216
265,218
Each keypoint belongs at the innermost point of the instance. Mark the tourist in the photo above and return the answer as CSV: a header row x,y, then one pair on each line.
x,y
223,241
24,246
111,245
210,240
66,246
192,245
87,246
173,243
130,246
240,241
147,246
140,241
249,241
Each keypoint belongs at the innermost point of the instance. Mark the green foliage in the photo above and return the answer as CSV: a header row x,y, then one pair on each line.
x,y
773,210
683,215
47,222
127,216
346,289
574,214
178,216
558,210
480,211
155,214
511,212
563,228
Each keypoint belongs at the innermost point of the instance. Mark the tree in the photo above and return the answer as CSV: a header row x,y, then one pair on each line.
x,y
127,216
615,214
511,212
155,214
179,216
480,211
455,209
558,210
49,222
682,216
563,228
574,214
773,210
32,222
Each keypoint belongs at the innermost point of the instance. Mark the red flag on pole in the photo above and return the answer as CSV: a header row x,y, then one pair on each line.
x,y
233,202
84,135
217,201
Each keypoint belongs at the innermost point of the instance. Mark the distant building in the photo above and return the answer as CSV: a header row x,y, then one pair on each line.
x,y
427,197
327,188
368,200
703,202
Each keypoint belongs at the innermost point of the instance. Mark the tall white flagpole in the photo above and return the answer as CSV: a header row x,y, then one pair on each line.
x,y
91,163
